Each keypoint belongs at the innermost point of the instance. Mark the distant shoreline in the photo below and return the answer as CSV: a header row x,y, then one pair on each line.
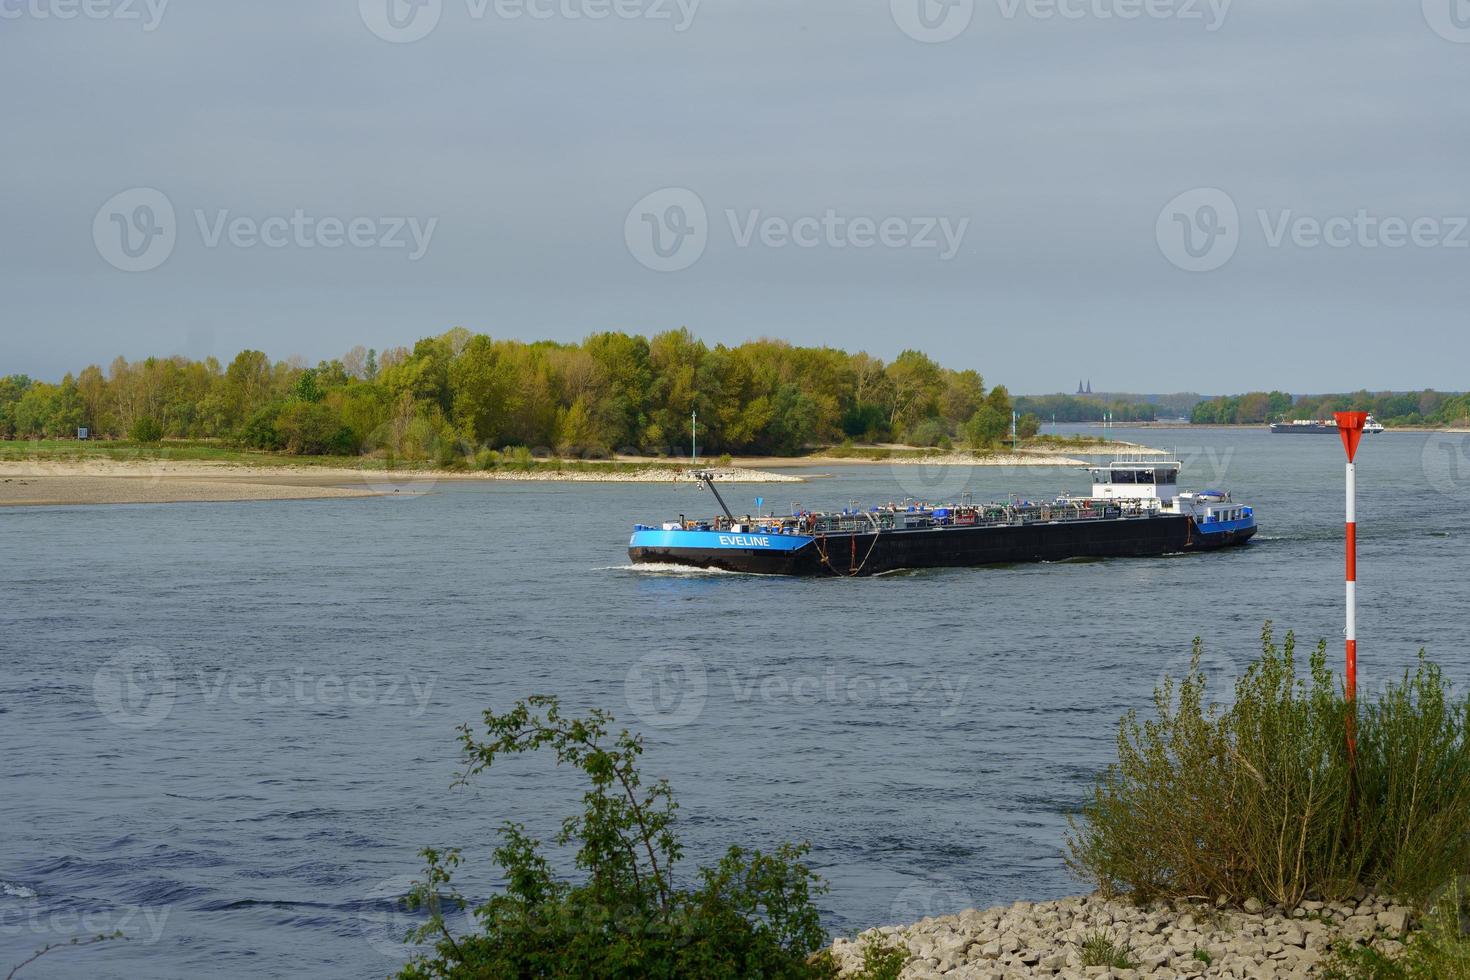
x,y
55,479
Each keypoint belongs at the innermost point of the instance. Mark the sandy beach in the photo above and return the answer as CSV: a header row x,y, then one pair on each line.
x,y
30,484
26,483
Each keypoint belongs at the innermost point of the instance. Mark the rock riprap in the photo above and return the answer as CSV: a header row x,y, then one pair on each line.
x,y
1162,940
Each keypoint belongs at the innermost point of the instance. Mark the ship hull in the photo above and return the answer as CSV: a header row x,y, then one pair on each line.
x,y
892,550
1314,430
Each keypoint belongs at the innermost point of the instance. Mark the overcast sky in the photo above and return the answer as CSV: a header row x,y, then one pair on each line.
x,y
1006,184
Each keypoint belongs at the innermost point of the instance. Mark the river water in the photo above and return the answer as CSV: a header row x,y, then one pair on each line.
x,y
227,729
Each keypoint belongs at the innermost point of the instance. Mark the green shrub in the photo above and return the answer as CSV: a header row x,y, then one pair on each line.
x,y
927,433
1253,799
1099,949
146,430
259,430
312,429
750,915
882,960
517,458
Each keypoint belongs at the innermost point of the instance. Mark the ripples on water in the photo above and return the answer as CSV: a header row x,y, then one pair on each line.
x,y
298,670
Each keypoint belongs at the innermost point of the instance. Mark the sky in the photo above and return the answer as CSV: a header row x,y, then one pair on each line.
x,y
1157,195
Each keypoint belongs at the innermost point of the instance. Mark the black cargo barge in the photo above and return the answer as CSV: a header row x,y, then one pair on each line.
x,y
1153,520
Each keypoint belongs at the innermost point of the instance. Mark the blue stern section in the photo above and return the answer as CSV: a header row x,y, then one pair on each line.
x,y
717,540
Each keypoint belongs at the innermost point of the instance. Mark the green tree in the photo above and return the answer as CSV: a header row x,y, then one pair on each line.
x,y
750,915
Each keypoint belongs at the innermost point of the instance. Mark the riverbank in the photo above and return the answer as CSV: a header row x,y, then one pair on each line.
x,y
32,484
67,473
1090,936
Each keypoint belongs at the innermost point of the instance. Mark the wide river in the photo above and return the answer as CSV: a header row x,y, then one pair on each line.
x,y
227,729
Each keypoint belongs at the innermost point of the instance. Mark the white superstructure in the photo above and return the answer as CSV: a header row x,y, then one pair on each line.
x,y
1148,479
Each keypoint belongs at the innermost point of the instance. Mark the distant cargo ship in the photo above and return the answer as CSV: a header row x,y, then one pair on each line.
x,y
1320,426
1135,510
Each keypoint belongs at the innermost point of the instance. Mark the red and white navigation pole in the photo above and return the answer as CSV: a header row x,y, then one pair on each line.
x,y
1350,428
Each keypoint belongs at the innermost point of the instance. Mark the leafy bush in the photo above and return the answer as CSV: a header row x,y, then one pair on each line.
x,y
259,431
748,916
311,429
145,429
1254,799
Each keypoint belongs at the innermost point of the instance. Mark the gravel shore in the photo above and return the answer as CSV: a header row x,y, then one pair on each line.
x,y
30,484
1162,941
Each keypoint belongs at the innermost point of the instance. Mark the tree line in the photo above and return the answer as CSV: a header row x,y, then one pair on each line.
x,y
1426,407
613,392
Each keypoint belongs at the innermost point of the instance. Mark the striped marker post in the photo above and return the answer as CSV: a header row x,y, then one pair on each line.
x,y
1350,428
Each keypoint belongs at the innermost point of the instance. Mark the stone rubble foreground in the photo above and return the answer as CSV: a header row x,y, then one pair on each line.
x,y
1165,940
